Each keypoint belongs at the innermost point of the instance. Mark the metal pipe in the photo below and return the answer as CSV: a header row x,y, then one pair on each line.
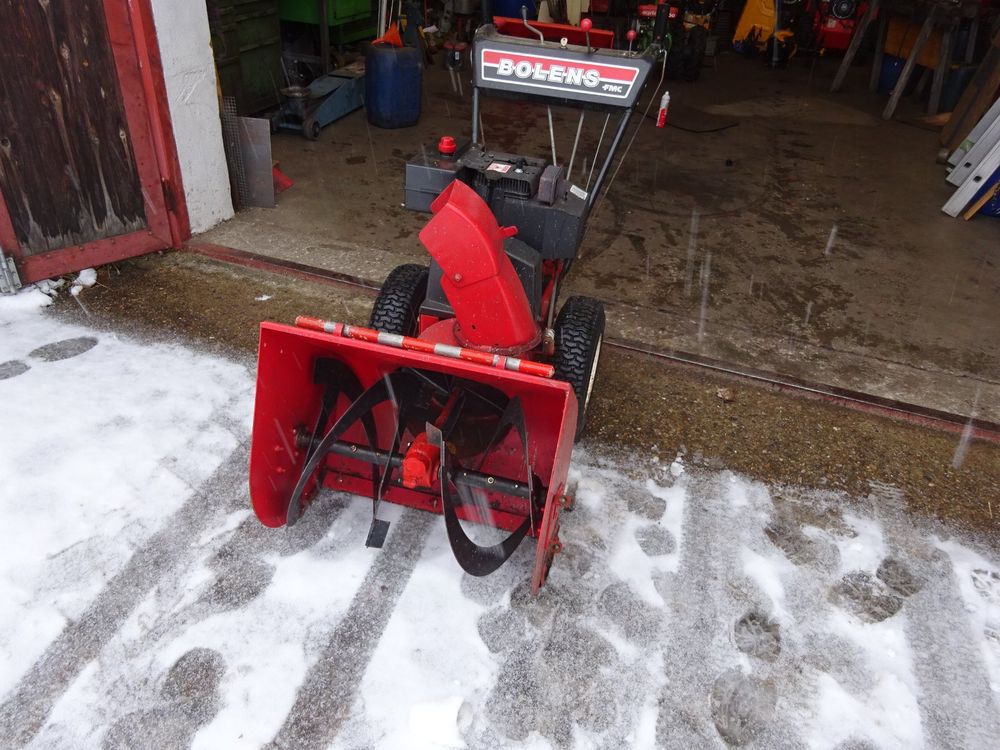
x,y
607,118
475,115
450,351
619,133
552,135
524,20
572,156
466,477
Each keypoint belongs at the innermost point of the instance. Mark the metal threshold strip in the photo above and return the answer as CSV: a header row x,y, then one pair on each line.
x,y
864,402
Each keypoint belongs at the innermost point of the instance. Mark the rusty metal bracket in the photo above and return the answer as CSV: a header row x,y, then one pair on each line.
x,y
10,281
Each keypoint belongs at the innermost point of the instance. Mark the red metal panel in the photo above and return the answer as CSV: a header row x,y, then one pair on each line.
x,y
132,39
288,398
478,278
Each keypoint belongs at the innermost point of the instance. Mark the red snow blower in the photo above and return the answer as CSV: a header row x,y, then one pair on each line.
x,y
466,392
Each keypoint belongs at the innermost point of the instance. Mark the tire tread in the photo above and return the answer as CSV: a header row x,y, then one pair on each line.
x,y
398,303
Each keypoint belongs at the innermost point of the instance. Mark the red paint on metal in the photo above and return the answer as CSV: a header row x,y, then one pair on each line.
x,y
553,32
288,398
478,278
421,462
607,72
427,346
446,145
426,322
440,332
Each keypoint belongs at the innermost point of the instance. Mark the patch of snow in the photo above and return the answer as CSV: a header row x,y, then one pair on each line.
x,y
101,434
672,620
84,280
978,582
431,641
263,297
887,716
440,723
673,519
86,277
863,551
765,572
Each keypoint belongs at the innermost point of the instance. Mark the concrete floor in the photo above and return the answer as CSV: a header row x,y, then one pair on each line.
x,y
806,240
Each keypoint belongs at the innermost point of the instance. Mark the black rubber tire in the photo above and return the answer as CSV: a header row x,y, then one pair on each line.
x,y
397,307
311,129
697,41
579,331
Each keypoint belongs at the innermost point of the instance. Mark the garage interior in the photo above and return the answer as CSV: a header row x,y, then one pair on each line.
x,y
772,225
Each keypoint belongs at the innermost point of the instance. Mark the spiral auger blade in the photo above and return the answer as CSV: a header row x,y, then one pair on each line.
x,y
398,386
476,559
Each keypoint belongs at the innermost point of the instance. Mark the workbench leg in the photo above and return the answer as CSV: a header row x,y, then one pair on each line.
x,y
852,49
883,29
911,63
934,102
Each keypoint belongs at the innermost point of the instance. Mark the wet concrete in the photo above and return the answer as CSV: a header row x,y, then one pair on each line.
x,y
807,239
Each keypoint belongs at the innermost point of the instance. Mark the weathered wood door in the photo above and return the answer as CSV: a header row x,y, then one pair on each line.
x,y
85,167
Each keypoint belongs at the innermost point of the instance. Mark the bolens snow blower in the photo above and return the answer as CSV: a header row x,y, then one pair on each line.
x,y
466,392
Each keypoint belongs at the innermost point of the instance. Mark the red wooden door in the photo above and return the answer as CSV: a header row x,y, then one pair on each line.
x,y
88,171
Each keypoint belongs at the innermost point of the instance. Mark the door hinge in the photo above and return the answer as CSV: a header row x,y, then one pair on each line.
x,y
10,281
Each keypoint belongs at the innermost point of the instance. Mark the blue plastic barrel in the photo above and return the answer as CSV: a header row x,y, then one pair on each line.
x,y
393,85
892,67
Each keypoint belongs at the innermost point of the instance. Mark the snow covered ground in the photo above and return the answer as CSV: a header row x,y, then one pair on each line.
x,y
144,606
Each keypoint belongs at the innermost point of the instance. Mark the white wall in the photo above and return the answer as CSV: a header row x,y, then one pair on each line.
x,y
189,71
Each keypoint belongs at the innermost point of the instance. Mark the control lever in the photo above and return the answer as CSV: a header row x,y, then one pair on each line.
x,y
524,20
630,35
660,23
586,24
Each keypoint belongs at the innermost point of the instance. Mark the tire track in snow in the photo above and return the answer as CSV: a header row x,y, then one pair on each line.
x,y
956,705
25,711
708,696
325,697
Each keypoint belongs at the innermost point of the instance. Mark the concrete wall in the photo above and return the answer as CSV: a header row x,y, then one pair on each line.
x,y
189,71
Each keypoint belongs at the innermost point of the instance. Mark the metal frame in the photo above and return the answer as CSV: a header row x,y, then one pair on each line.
x,y
974,182
979,150
975,134
651,55
10,281
132,36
